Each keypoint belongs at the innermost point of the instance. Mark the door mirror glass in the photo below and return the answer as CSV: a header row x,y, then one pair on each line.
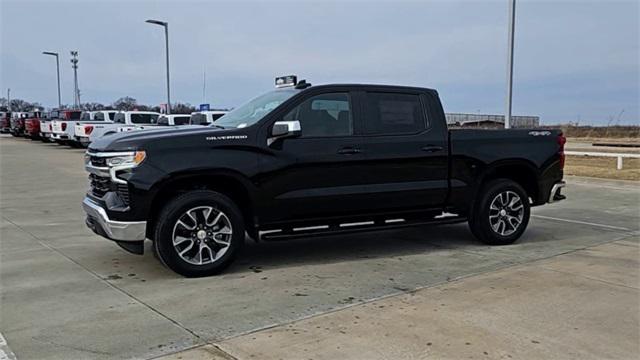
x,y
284,129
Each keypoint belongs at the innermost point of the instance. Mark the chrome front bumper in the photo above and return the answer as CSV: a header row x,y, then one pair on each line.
x,y
555,194
99,222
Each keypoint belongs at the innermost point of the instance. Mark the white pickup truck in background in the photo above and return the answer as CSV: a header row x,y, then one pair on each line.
x,y
62,125
174,119
127,121
92,121
206,117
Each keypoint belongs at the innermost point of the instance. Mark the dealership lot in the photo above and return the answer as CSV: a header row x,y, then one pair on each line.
x,y
67,293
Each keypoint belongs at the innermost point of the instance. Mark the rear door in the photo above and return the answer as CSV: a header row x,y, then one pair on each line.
x,y
319,173
407,153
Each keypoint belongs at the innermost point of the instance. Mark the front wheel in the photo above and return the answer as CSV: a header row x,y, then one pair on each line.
x,y
199,233
501,213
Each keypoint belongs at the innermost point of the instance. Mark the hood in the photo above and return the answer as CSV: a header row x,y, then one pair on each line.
x,y
136,139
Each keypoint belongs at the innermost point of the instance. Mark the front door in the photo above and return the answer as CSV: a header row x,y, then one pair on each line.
x,y
319,173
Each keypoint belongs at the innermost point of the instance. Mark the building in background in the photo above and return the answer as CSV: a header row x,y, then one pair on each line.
x,y
490,121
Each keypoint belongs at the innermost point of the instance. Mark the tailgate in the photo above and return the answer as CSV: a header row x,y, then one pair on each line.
x,y
56,127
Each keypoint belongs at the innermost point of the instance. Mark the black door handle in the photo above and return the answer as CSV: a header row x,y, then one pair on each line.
x,y
431,148
349,151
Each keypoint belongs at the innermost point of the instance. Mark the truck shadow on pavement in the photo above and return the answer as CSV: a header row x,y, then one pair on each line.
x,y
354,247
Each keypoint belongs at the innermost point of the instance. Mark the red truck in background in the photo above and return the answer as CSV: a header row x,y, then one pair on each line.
x,y
32,125
17,123
5,122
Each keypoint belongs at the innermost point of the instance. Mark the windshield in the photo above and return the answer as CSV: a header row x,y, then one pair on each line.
x,y
254,110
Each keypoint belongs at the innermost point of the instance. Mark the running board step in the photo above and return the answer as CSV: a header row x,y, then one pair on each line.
x,y
350,228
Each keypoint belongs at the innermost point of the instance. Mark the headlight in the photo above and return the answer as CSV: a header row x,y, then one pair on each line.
x,y
132,159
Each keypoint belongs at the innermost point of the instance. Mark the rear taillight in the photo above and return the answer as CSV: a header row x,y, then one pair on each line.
x,y
50,129
561,141
88,129
64,126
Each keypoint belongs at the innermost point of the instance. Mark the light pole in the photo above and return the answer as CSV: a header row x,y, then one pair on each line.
x,y
512,21
76,91
58,71
166,39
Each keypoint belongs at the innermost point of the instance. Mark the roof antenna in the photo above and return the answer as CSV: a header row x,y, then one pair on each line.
x,y
302,84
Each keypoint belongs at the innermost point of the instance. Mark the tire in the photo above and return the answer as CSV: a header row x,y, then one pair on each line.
x,y
177,219
500,213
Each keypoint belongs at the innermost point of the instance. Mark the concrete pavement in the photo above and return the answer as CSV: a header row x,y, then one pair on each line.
x,y
68,294
582,305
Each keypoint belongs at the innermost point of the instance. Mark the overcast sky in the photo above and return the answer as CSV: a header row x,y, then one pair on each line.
x,y
573,59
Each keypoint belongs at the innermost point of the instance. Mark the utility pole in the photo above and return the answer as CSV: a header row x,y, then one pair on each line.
x,y
166,39
76,91
512,21
9,99
58,72
204,86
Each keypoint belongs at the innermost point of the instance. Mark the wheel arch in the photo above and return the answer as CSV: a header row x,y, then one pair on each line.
x,y
226,182
521,171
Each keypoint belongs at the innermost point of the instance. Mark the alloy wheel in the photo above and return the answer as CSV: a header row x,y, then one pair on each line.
x,y
202,235
506,213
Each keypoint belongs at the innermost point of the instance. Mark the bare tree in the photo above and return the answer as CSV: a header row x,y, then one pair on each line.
x,y
126,103
92,106
182,108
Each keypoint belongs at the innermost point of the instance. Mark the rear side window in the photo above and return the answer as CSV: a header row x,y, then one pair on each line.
x,y
392,113
98,117
73,115
119,118
163,121
85,116
144,118
181,120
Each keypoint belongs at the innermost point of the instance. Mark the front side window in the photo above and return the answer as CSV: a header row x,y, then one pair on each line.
x,y
324,115
391,113
99,117
119,118
256,109
144,118
111,114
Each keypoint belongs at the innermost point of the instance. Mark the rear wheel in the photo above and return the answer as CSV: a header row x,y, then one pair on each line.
x,y
501,213
199,233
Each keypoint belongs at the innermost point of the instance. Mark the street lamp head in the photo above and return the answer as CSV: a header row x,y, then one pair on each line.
x,y
50,53
157,22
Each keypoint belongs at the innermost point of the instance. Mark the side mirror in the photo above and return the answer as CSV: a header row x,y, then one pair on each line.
x,y
284,129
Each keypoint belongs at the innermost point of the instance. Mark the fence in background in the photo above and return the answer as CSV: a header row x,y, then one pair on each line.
x,y
486,120
619,156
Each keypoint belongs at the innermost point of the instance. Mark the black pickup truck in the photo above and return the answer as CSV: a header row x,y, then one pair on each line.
x,y
306,160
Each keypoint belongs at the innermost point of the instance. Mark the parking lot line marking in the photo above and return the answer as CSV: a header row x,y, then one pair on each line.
x,y
581,222
5,351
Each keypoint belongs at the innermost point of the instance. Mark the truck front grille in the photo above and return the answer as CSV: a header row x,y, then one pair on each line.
x,y
123,192
99,186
